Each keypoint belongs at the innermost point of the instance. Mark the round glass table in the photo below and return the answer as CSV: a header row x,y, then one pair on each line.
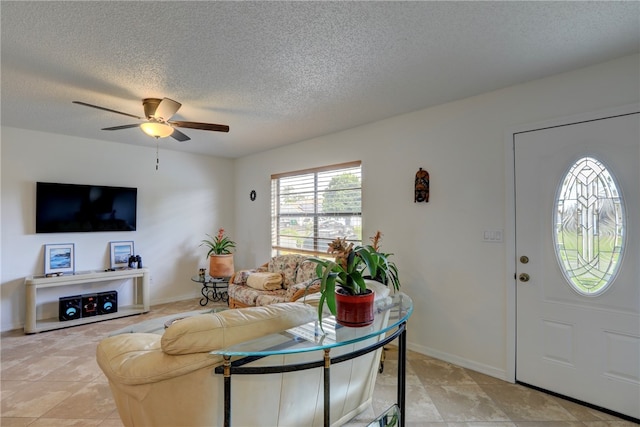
x,y
213,288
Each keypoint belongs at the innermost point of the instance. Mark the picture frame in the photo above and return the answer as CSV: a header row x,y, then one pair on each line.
x,y
120,253
59,259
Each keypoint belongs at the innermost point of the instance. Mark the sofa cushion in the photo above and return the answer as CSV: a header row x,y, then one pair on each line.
x,y
306,271
211,331
288,265
268,299
243,294
247,296
136,359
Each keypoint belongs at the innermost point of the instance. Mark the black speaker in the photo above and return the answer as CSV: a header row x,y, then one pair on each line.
x,y
89,305
107,302
70,308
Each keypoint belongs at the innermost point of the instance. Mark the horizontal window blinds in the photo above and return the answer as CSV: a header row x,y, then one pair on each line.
x,y
312,207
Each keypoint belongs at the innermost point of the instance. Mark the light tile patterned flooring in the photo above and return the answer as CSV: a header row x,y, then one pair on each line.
x,y
51,379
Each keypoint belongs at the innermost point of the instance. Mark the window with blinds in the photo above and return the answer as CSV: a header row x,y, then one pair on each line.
x,y
312,207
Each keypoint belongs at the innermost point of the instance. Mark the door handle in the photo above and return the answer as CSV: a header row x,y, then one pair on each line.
x,y
524,277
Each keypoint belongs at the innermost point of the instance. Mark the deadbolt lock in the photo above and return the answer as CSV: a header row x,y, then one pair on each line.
x,y
524,259
524,277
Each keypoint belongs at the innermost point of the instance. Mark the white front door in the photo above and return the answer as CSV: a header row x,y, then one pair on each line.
x,y
577,191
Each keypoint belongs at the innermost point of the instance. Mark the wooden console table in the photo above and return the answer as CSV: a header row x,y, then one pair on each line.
x,y
140,304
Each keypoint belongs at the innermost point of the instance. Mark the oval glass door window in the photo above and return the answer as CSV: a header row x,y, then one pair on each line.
x,y
589,230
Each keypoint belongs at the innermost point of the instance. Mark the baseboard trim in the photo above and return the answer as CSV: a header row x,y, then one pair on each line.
x,y
491,371
175,298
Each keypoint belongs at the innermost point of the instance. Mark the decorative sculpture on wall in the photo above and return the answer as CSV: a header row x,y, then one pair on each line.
x,y
422,186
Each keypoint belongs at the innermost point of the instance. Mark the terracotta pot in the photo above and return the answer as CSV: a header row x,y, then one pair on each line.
x,y
354,310
221,265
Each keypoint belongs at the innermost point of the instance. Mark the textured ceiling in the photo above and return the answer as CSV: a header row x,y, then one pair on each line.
x,y
282,72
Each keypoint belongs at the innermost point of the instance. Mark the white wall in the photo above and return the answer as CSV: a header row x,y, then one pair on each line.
x,y
189,195
456,280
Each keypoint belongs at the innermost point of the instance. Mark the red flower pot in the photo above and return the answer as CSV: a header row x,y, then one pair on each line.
x,y
354,310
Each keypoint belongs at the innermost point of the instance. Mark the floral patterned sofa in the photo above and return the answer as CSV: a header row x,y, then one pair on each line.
x,y
298,278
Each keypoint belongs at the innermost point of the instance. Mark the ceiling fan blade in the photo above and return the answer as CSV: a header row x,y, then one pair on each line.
x,y
106,109
179,136
121,127
201,126
166,109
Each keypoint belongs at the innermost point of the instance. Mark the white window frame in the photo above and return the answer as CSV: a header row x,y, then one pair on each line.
x,y
282,243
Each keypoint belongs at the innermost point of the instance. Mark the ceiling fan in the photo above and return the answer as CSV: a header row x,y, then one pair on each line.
x,y
157,124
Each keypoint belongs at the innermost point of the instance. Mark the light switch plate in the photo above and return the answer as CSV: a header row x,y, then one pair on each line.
x,y
492,236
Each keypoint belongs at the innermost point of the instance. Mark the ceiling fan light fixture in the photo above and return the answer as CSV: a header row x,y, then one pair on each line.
x,y
156,129
157,113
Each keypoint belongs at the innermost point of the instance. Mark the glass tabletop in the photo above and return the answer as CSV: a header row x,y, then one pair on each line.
x,y
390,418
208,279
390,312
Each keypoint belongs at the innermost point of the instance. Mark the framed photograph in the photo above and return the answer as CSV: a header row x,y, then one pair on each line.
x,y
120,253
59,259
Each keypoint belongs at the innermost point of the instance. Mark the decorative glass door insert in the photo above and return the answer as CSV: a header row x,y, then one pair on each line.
x,y
589,230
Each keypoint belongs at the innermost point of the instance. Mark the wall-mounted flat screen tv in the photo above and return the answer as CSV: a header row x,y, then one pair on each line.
x,y
69,208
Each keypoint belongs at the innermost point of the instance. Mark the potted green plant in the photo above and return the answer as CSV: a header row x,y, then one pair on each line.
x,y
388,274
220,255
342,281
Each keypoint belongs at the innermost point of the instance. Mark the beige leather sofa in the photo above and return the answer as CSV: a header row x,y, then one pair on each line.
x,y
169,380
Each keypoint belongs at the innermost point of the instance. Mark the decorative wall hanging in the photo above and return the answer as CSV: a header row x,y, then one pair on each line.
x,y
421,186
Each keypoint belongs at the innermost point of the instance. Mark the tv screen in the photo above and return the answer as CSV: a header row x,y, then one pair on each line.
x,y
68,208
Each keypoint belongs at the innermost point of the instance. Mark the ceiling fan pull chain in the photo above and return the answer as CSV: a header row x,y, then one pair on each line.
x,y
157,156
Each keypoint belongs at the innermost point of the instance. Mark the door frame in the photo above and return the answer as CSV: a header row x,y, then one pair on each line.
x,y
510,215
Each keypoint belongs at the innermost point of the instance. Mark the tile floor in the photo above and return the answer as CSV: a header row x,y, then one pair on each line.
x,y
51,379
